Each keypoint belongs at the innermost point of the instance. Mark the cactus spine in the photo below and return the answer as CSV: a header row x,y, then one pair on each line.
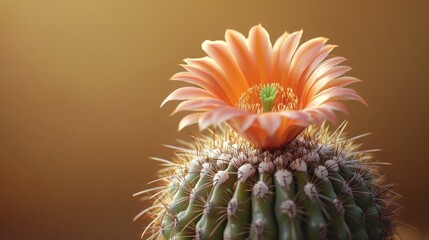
x,y
319,186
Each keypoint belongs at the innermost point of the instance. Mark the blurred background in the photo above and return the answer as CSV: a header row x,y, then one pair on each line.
x,y
81,83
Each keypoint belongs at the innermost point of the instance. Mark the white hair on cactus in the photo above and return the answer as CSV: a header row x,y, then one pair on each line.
x,y
193,194
332,165
338,205
199,232
266,167
359,178
242,157
347,189
284,178
301,151
323,149
213,153
288,156
254,152
299,165
194,165
340,160
239,160
234,149
312,156
245,171
207,207
232,206
279,161
205,169
311,191
289,208
260,189
223,159
321,172
220,177
253,159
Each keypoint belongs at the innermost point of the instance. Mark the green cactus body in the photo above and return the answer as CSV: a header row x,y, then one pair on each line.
x,y
314,188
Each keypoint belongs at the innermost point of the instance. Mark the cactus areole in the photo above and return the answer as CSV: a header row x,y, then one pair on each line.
x,y
271,168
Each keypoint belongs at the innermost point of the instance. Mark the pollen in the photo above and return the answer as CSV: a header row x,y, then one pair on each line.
x,y
268,98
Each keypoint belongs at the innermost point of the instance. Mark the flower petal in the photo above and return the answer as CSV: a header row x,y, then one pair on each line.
x,y
275,73
205,120
287,51
304,55
198,105
219,52
340,82
321,70
335,93
321,55
301,117
208,69
189,120
238,45
260,46
333,73
269,122
186,93
245,122
228,113
192,78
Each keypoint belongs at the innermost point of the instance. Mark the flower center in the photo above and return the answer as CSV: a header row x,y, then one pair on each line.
x,y
269,97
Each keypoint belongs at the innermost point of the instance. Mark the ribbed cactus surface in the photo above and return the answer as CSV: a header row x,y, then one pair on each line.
x,y
319,186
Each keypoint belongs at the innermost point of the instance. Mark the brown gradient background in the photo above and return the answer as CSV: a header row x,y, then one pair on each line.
x,y
81,83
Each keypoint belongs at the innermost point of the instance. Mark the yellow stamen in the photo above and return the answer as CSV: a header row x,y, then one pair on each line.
x,y
282,99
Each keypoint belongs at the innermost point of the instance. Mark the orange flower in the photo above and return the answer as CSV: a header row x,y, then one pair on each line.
x,y
266,93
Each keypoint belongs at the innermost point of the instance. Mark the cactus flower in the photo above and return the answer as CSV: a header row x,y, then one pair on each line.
x,y
267,93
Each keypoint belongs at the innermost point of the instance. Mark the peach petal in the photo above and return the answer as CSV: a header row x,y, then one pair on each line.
x,y
303,57
198,105
246,121
302,117
260,46
341,82
270,122
186,93
241,51
189,120
205,120
335,94
287,51
210,86
275,73
229,113
219,52
322,80
207,68
323,53
333,73
323,67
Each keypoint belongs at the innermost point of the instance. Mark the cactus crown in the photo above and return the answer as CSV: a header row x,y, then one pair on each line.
x,y
319,186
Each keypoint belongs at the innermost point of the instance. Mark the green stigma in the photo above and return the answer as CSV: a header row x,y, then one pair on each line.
x,y
267,95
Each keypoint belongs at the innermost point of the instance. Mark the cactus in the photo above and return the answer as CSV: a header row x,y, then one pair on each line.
x,y
319,186
273,170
